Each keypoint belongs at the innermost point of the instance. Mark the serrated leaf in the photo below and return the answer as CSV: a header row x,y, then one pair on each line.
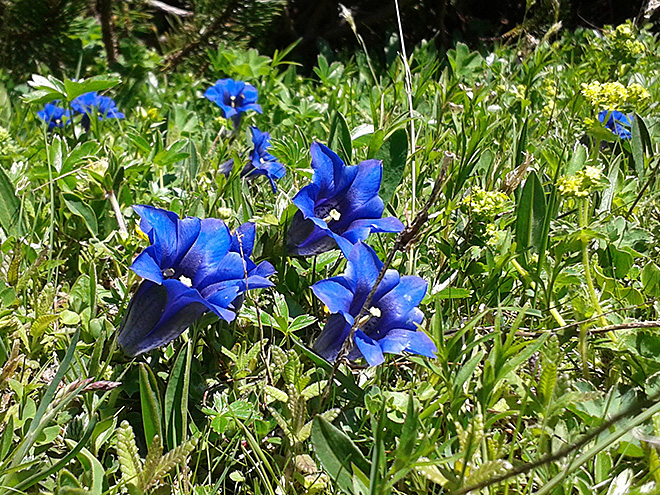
x,y
175,457
40,325
276,394
430,472
488,470
314,390
127,454
152,461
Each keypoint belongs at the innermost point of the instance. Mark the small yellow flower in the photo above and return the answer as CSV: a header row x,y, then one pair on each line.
x,y
581,184
140,234
487,204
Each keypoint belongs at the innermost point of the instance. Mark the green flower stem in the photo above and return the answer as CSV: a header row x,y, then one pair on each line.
x,y
586,263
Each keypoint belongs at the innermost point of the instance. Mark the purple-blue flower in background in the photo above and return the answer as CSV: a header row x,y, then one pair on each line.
x,y
191,267
88,103
53,115
234,98
340,207
261,161
617,122
391,322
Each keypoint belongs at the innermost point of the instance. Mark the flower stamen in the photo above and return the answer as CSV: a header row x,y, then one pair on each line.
x,y
185,281
333,215
169,272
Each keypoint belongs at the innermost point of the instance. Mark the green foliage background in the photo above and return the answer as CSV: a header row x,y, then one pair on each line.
x,y
543,300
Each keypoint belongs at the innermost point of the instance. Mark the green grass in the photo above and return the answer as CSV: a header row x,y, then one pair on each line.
x,y
543,304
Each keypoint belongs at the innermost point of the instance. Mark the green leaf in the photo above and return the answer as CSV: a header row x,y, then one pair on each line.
x,y
651,279
530,214
151,411
339,139
91,465
74,89
172,403
408,436
10,206
128,457
578,160
393,153
640,143
338,454
78,207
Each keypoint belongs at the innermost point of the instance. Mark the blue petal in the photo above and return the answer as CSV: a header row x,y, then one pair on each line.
x,y
417,342
405,297
157,315
362,268
325,164
147,267
331,339
371,209
208,252
365,185
171,236
305,200
251,106
369,349
335,294
305,238
246,232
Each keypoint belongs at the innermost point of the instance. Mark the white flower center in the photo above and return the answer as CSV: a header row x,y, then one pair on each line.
x,y
185,281
333,215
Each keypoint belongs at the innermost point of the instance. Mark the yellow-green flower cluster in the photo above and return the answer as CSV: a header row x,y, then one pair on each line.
x,y
494,236
486,204
583,183
623,40
550,89
7,144
614,95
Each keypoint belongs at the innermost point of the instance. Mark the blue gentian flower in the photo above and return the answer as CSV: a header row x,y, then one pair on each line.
x,y
390,325
340,207
261,161
234,98
191,267
53,115
86,104
617,122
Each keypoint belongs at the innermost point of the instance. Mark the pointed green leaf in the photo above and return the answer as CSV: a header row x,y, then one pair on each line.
x,y
151,411
530,214
339,140
81,209
97,83
10,206
337,453
393,153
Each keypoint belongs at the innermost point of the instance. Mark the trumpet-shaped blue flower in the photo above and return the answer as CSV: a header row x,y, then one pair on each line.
x,y
191,267
617,122
261,161
233,97
53,115
340,207
390,325
88,103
